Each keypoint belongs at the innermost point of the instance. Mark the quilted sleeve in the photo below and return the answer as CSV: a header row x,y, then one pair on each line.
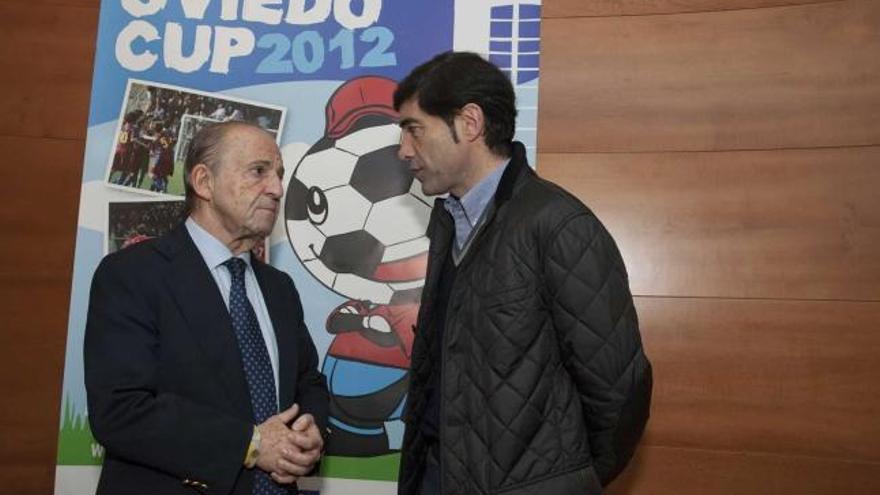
x,y
598,334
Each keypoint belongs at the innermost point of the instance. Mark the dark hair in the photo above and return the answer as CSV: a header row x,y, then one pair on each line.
x,y
451,80
206,148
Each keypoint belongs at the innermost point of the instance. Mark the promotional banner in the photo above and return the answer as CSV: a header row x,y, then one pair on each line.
x,y
318,75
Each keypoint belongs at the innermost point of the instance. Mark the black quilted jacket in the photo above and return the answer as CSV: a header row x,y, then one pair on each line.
x,y
545,386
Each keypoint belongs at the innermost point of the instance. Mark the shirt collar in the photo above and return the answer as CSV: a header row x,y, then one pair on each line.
x,y
475,201
214,252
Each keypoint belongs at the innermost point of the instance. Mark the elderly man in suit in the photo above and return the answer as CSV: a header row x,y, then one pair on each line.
x,y
200,373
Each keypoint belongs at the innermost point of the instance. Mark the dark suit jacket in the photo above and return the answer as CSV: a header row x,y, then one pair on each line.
x,y
167,394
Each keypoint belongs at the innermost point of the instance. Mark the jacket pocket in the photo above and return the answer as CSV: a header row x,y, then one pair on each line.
x,y
506,295
578,481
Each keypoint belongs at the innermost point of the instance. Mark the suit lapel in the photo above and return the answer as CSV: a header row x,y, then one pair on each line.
x,y
275,294
196,294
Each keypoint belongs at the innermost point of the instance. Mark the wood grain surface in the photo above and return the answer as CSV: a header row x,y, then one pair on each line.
x,y
668,471
607,8
46,54
773,376
801,224
804,76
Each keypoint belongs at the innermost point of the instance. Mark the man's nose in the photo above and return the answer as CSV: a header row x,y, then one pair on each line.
x,y
275,189
405,152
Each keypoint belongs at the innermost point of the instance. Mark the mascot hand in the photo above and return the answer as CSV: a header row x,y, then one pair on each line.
x,y
379,331
377,323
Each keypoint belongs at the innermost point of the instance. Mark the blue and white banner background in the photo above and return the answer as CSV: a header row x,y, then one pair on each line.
x,y
318,73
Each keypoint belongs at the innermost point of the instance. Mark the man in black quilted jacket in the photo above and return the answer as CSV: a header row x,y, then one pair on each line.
x,y
528,373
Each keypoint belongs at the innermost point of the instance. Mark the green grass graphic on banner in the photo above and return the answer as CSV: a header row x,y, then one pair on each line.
x,y
76,445
379,468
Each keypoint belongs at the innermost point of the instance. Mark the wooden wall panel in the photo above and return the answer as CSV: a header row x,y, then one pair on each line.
x,y
806,76
92,4
39,217
20,478
784,377
47,80
672,471
597,8
42,214
32,342
794,223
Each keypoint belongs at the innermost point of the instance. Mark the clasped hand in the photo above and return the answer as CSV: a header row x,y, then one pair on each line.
x,y
288,452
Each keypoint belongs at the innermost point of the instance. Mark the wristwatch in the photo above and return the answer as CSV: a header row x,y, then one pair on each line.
x,y
253,452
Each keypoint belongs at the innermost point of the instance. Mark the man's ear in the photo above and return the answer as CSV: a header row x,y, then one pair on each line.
x,y
202,181
473,123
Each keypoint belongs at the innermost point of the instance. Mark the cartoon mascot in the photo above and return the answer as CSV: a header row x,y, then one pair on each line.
x,y
356,220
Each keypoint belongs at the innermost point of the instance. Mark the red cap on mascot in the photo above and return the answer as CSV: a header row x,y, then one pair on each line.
x,y
369,95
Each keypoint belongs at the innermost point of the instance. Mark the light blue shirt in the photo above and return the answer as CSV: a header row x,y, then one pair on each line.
x,y
215,253
468,211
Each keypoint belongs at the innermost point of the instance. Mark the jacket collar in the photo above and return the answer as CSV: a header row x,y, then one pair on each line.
x,y
517,168
441,229
193,289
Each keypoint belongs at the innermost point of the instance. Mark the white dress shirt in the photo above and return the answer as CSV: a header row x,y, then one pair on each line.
x,y
215,253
